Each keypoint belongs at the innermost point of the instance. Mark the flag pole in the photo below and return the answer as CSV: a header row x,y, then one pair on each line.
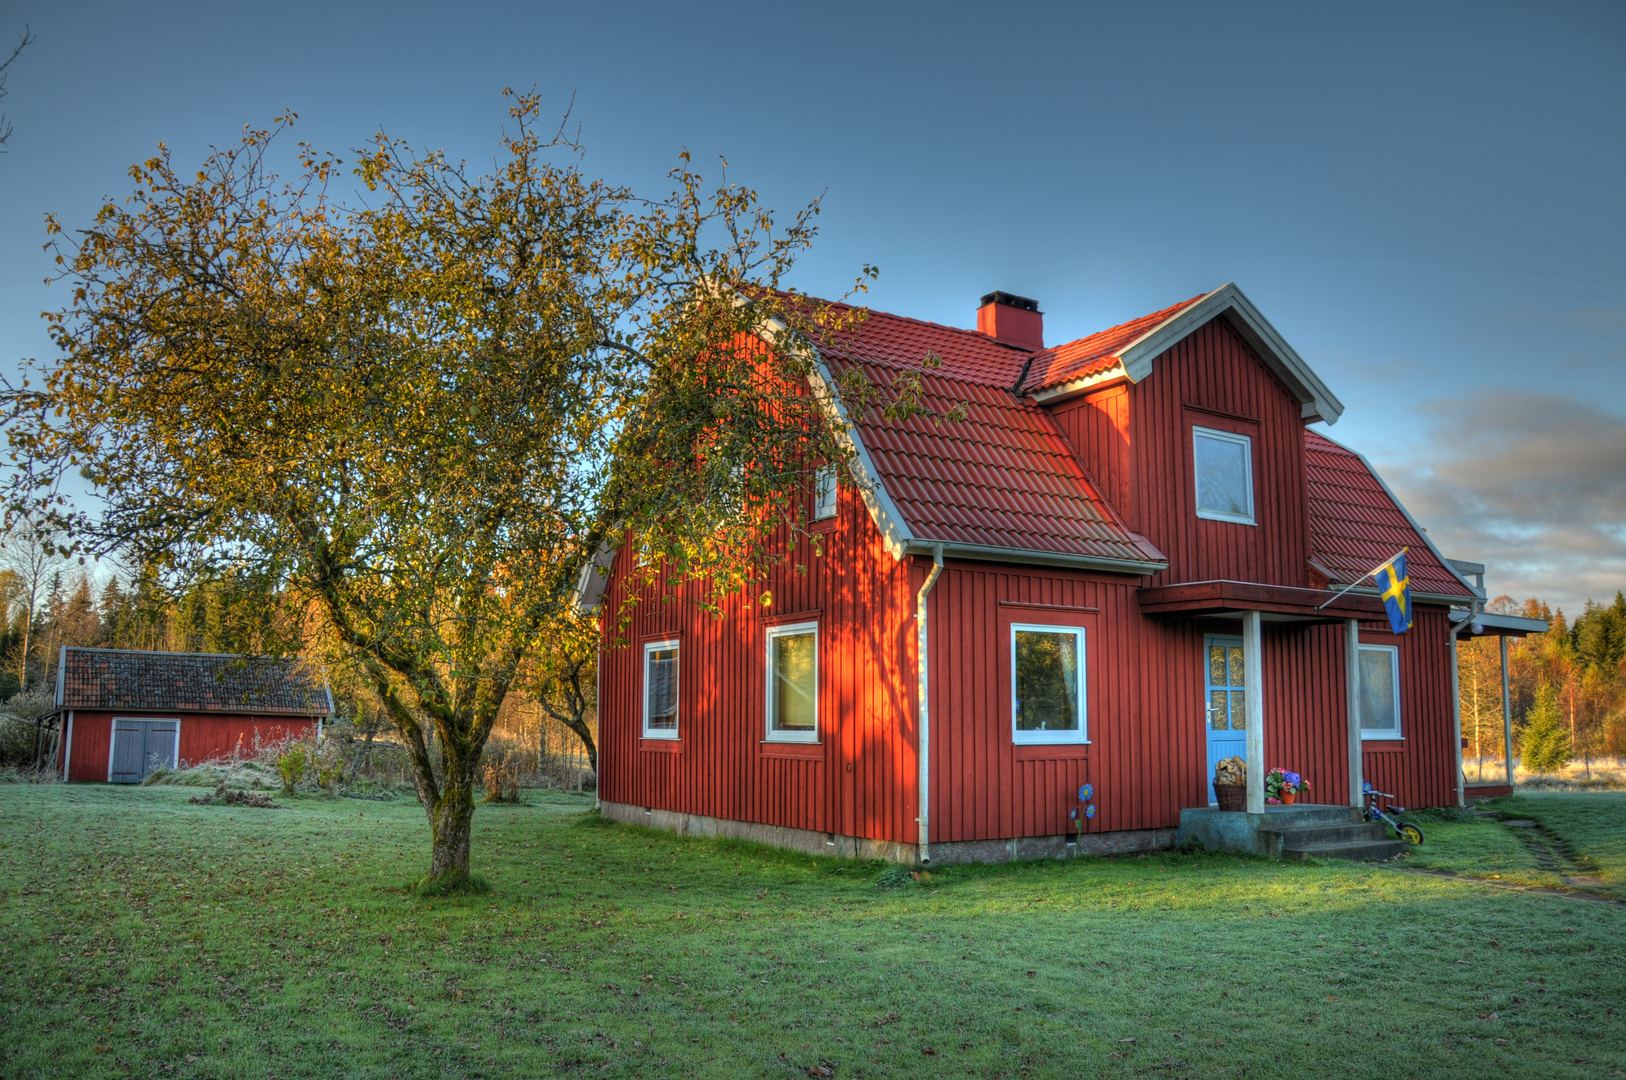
x,y
1370,573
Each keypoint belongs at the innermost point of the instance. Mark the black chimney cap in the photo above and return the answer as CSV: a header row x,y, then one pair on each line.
x,y
1009,300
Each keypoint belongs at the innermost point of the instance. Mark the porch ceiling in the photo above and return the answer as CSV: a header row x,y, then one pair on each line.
x,y
1276,603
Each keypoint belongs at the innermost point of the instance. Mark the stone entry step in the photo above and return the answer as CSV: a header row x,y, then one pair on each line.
x,y
1292,832
1356,850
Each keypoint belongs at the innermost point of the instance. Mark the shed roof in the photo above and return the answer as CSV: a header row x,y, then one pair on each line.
x,y
126,679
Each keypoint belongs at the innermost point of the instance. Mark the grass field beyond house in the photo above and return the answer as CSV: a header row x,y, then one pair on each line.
x,y
146,936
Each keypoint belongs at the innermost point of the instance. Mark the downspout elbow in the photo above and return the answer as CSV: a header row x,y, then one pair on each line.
x,y
923,721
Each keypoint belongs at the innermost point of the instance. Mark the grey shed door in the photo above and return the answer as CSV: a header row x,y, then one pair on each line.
x,y
140,746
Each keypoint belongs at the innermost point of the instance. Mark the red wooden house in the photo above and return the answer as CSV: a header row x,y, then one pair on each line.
x,y
125,713
1113,572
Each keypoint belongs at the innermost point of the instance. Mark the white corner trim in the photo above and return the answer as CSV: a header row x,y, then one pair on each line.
x,y
895,531
1318,402
61,675
1429,543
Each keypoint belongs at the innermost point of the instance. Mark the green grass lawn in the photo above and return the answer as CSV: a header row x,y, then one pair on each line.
x,y
145,936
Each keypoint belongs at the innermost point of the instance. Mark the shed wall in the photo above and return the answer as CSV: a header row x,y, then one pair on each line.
x,y
203,736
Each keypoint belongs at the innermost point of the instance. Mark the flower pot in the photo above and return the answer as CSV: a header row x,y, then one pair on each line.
x,y
1289,798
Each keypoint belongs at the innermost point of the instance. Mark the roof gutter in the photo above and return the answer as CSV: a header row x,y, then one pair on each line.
x,y
986,553
923,725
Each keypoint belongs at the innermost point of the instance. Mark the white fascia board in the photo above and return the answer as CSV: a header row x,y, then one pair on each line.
x,y
985,553
594,579
1317,402
1387,490
1099,380
889,521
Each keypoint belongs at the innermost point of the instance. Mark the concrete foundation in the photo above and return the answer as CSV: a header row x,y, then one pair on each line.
x,y
857,847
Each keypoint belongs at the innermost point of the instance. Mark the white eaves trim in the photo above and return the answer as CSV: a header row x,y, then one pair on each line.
x,y
1316,401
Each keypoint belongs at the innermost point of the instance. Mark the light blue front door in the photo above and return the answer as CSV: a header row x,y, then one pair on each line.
x,y
1225,701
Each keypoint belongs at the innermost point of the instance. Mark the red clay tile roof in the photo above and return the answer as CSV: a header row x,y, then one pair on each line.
x,y
119,679
1355,523
896,342
1096,353
1004,477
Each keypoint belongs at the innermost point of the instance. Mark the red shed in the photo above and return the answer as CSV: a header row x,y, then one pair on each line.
x,y
1120,567
125,713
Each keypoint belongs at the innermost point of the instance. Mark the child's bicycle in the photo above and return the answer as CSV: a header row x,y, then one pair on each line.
x,y
1375,812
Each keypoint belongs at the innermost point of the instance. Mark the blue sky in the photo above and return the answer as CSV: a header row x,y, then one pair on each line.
x,y
1429,203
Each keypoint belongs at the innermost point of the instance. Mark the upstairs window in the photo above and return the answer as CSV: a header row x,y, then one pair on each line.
x,y
661,690
1380,692
824,493
1047,677
1224,470
793,683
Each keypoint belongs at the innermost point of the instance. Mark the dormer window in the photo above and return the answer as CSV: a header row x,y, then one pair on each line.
x,y
1224,471
824,493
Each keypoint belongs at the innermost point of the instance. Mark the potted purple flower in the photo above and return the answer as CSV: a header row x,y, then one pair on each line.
x,y
1283,787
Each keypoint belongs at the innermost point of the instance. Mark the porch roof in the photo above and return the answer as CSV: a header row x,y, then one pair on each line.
x,y
1276,603
1489,624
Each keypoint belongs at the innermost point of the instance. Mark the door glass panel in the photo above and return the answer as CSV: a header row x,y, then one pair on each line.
x,y
1239,709
1217,718
1216,665
1238,672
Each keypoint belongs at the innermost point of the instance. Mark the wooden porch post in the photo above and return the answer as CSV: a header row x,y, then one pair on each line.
x,y
1254,710
1352,705
1507,716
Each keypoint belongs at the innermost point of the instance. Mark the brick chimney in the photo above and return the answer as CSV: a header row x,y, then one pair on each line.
x,y
1015,320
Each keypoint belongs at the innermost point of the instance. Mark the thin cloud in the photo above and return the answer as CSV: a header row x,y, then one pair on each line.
x,y
1531,484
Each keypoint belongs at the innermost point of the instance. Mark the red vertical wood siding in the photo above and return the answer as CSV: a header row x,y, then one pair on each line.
x,y
859,779
1147,756
1136,440
204,736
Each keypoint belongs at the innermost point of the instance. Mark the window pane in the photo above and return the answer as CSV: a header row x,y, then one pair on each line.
x,y
824,495
1216,665
1239,673
1223,483
1046,681
1216,711
794,692
1239,710
1378,691
662,676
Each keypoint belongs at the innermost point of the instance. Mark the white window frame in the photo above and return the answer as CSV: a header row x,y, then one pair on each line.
x,y
1053,738
789,630
1246,442
826,493
1394,678
675,645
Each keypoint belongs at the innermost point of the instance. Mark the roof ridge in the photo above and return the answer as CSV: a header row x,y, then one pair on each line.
x,y
166,652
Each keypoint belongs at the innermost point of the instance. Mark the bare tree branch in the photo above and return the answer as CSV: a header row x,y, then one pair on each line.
x,y
22,43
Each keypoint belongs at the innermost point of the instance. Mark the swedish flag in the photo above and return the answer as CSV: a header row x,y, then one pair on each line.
x,y
1395,585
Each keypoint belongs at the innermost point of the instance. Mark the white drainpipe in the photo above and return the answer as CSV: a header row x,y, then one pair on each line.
x,y
924,726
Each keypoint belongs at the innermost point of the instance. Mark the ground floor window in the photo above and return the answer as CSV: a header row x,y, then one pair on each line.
x,y
793,683
661,690
1380,692
1047,677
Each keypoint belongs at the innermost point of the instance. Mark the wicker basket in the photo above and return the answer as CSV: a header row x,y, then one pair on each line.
x,y
1232,796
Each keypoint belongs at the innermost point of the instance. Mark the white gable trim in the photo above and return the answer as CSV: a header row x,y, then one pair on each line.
x,y
1315,400
1319,403
895,531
